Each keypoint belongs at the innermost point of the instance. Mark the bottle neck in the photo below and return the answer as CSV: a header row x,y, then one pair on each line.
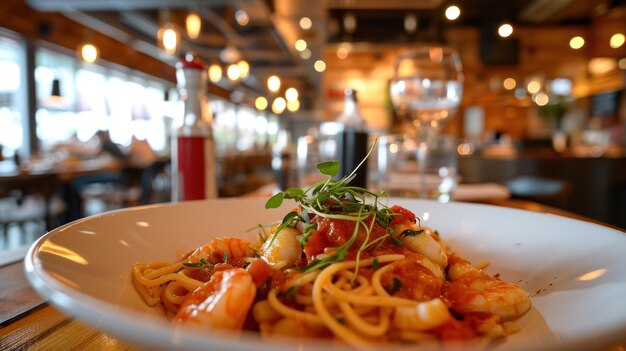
x,y
193,103
351,117
197,116
350,107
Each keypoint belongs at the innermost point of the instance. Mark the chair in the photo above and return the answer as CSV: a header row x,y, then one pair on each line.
x,y
26,198
135,186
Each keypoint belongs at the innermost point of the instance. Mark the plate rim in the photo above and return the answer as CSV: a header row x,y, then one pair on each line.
x,y
87,308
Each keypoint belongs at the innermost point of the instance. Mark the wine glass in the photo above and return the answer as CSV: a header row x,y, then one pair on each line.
x,y
426,90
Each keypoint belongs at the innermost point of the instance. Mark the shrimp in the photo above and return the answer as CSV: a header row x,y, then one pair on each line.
x,y
219,249
422,243
472,290
284,249
223,302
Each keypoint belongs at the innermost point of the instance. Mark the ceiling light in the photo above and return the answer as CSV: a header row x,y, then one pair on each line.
x,y
342,52
89,52
300,44
233,72
601,65
576,42
349,23
306,23
509,84
410,23
242,17
215,73
279,104
291,94
168,38
533,87
230,54
617,40
561,86
305,54
193,23
541,99
293,106
273,83
453,12
260,103
244,68
505,30
320,66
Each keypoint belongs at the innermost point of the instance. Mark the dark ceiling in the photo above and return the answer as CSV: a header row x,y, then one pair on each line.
x,y
267,41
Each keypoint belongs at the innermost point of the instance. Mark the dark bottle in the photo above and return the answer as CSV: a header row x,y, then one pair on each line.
x,y
352,140
283,162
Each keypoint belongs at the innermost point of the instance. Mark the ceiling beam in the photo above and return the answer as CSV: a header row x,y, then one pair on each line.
x,y
148,27
541,10
383,4
217,21
120,5
106,25
295,71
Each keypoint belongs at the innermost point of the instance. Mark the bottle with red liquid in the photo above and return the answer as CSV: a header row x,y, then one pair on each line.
x,y
193,149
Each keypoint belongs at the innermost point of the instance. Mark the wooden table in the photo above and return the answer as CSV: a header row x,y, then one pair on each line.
x,y
28,322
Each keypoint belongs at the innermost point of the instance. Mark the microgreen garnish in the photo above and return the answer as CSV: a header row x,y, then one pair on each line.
x,y
396,241
275,201
411,232
375,263
226,257
396,284
329,168
291,292
202,263
336,199
308,231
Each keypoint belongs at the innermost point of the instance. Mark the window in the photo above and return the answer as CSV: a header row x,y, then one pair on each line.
x,y
224,125
11,132
94,97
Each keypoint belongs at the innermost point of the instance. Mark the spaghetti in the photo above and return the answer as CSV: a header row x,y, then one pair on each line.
x,y
340,266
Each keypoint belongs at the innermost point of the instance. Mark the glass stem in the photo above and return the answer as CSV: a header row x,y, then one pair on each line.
x,y
425,136
422,153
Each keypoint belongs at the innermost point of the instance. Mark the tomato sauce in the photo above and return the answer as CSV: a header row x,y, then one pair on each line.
x,y
336,232
412,281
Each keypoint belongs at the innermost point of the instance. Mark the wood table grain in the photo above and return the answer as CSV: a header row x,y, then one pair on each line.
x,y
28,323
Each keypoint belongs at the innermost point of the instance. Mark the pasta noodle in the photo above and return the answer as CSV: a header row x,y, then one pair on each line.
x,y
335,268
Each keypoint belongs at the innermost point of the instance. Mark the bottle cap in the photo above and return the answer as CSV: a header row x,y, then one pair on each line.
x,y
190,60
350,92
190,72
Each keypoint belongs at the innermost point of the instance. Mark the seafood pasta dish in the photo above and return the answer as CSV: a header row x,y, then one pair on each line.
x,y
339,265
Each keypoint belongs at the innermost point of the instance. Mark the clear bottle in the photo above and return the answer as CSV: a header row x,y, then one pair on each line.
x,y
193,148
283,162
352,141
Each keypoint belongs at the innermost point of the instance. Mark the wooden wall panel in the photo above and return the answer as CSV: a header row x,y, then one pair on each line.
x,y
57,29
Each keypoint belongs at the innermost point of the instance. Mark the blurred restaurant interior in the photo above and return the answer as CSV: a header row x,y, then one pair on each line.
x,y
543,113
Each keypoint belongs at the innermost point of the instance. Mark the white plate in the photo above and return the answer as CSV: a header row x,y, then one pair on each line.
x,y
575,271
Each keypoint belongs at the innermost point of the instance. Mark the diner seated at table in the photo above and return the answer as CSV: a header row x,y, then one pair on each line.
x,y
73,191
